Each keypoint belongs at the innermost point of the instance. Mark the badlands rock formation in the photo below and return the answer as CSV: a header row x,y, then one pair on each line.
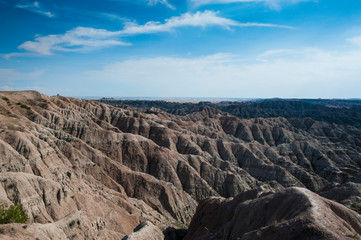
x,y
88,170
293,213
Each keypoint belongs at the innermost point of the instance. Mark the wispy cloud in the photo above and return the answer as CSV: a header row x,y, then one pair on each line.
x,y
87,39
75,40
35,7
274,4
355,40
149,2
9,74
16,54
111,16
164,2
198,19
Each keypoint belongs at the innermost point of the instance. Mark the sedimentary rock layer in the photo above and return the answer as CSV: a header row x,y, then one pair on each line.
x,y
85,169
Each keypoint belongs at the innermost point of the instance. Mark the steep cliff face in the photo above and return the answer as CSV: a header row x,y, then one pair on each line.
x,y
85,169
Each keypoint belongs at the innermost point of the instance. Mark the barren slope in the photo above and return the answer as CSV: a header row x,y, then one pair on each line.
x,y
293,213
87,169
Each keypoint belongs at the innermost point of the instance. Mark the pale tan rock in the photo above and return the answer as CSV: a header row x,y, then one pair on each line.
x,y
111,167
63,165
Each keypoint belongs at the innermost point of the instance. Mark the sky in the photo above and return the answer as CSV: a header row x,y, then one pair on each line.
x,y
189,48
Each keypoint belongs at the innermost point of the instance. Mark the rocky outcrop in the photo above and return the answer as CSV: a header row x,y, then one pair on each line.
x,y
293,213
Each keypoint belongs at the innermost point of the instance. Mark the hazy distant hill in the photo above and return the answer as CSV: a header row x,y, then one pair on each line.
x,y
337,111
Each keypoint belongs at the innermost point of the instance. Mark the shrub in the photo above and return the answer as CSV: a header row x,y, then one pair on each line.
x,y
355,236
12,214
180,225
356,206
72,223
7,100
23,105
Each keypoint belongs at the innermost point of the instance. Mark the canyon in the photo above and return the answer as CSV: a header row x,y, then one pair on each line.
x,y
115,169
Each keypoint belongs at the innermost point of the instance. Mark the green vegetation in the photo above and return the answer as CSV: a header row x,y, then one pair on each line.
x,y
356,206
12,214
7,100
23,106
267,186
355,236
72,223
180,225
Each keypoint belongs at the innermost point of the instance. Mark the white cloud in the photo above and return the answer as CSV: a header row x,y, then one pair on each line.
x,y
8,74
310,72
77,39
150,2
15,54
164,2
275,4
87,39
198,19
35,7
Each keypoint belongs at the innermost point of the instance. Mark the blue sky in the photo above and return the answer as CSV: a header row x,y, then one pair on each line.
x,y
191,48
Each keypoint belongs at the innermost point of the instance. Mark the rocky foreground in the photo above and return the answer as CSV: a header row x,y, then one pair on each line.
x,y
88,170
